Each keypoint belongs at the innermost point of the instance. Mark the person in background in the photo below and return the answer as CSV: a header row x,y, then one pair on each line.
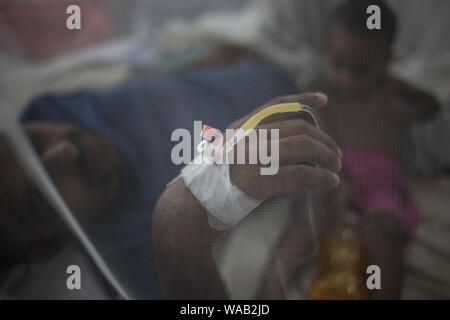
x,y
370,116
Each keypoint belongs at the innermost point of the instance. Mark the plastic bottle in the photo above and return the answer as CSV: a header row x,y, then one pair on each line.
x,y
340,265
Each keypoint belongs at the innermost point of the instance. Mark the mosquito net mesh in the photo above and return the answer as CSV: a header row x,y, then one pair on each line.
x,y
89,129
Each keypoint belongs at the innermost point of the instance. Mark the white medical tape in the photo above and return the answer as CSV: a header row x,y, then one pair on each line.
x,y
211,185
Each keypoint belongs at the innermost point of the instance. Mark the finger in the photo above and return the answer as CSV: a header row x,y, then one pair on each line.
x,y
290,179
317,100
300,127
304,149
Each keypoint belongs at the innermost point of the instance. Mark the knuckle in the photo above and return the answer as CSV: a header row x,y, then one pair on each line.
x,y
322,178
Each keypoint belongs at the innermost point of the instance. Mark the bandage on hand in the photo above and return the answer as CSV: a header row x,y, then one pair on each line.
x,y
308,160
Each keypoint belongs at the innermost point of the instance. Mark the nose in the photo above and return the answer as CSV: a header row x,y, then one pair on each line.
x,y
60,154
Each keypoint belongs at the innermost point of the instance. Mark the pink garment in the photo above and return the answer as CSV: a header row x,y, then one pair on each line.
x,y
381,184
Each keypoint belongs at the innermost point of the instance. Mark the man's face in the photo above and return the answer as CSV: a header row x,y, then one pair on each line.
x,y
354,63
83,166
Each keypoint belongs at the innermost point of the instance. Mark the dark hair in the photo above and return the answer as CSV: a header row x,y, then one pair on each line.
x,y
352,16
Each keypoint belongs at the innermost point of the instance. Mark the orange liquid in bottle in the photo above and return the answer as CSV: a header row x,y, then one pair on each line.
x,y
340,274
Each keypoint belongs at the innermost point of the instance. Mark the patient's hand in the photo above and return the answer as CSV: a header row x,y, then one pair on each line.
x,y
181,236
308,158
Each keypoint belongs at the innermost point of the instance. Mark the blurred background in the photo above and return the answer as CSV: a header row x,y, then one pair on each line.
x,y
121,37
121,41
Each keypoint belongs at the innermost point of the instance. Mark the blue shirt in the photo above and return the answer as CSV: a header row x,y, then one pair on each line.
x,y
139,118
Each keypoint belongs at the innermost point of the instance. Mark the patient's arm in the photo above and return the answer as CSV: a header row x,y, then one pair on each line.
x,y
182,244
